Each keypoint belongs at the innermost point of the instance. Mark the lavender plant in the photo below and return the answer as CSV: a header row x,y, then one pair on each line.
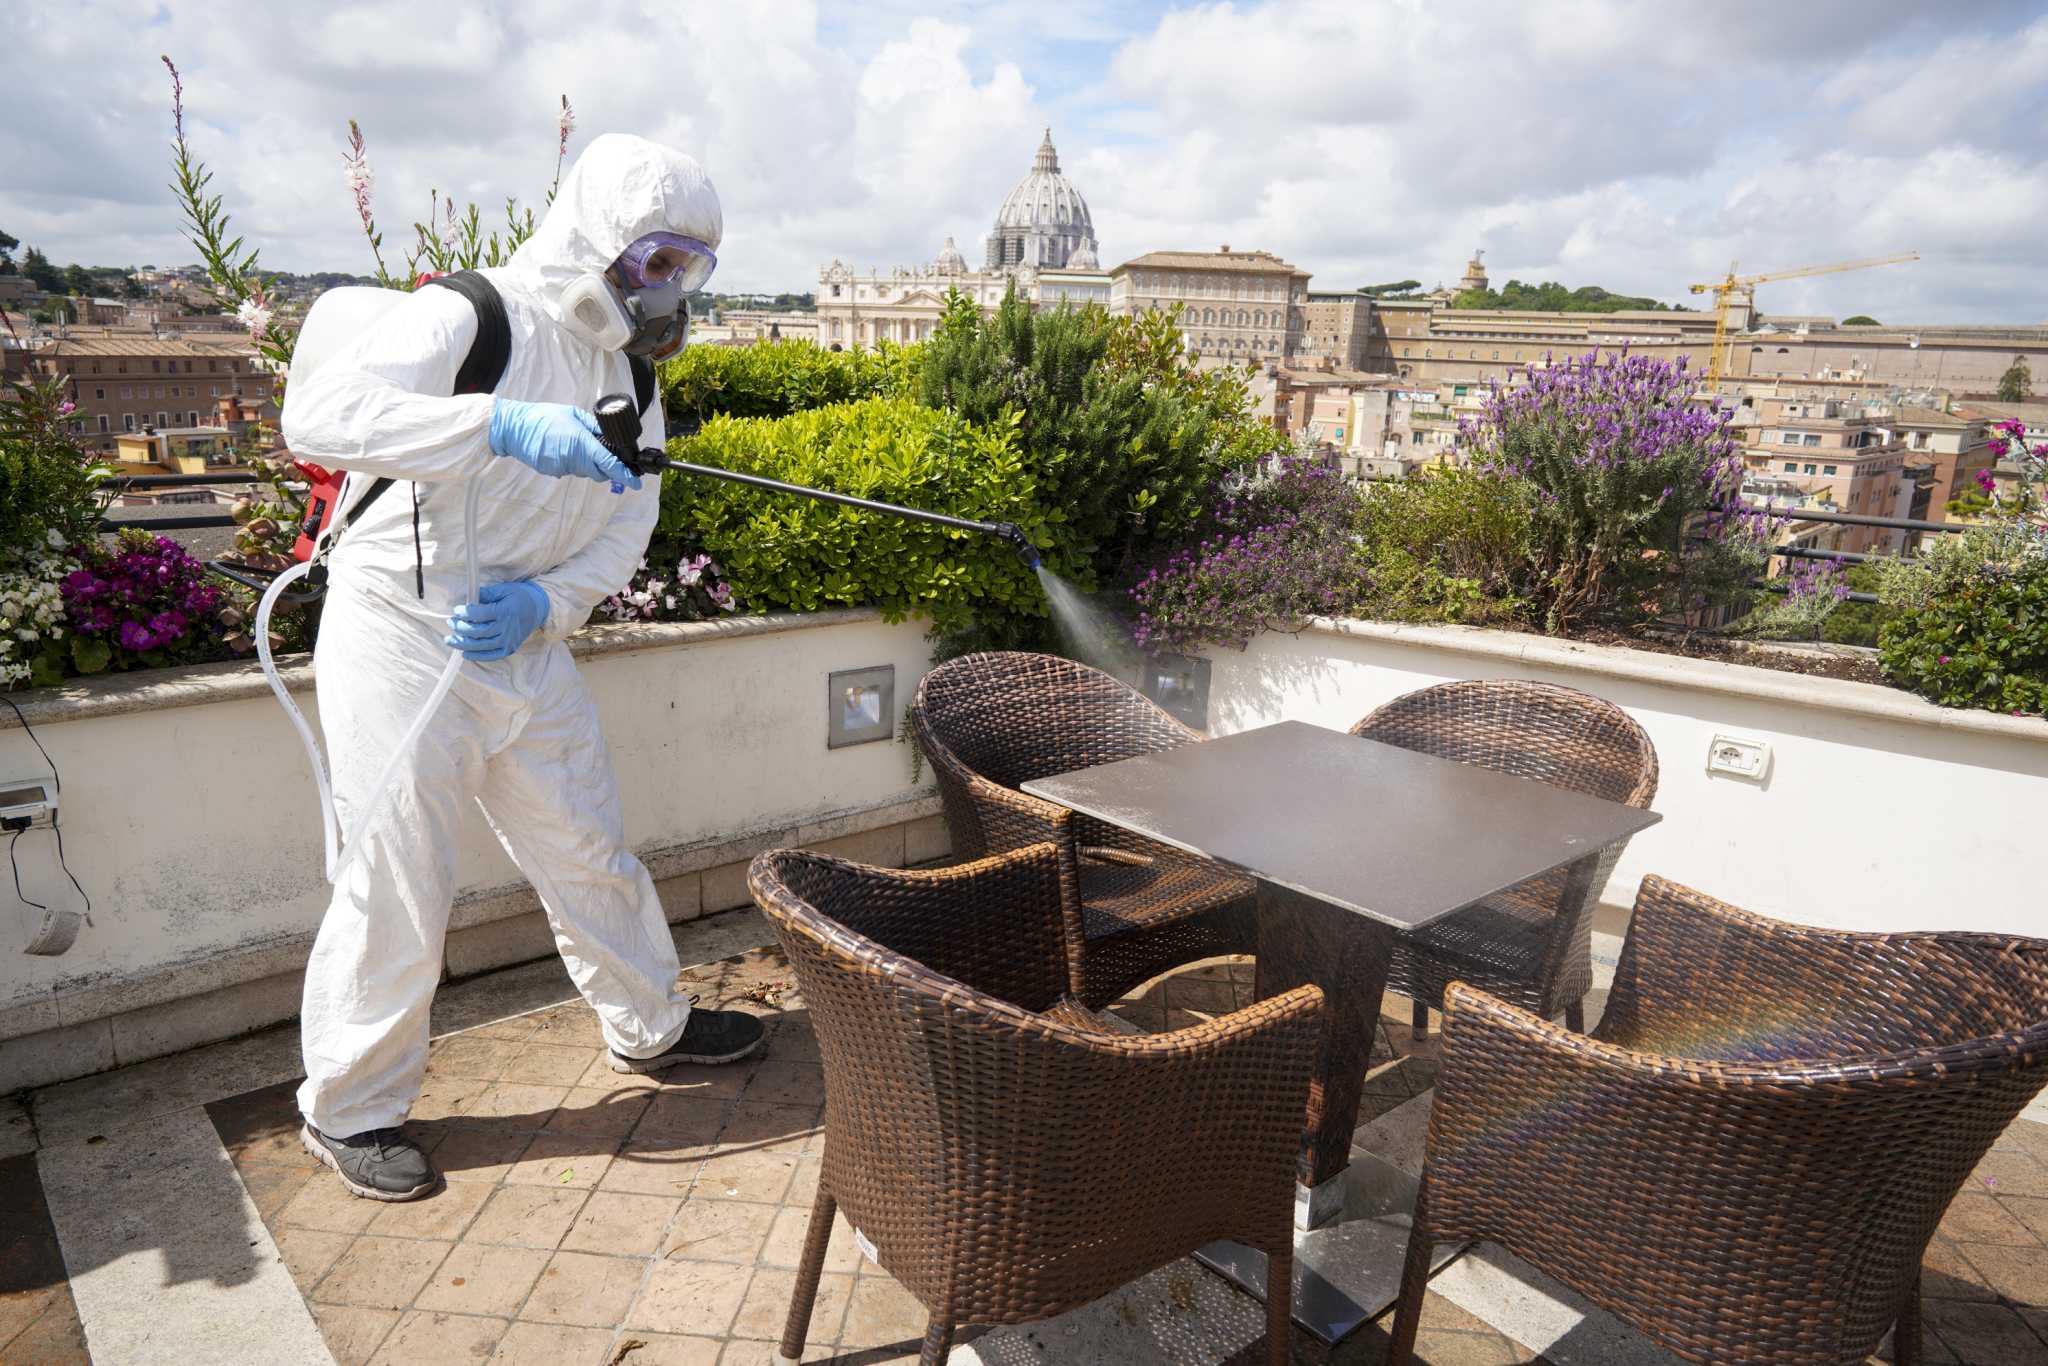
x,y
1620,465
1274,553
1813,590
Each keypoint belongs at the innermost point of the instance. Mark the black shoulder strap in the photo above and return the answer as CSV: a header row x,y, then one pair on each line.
x,y
488,355
643,381
482,368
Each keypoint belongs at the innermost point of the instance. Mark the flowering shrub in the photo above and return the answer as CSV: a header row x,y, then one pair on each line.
x,y
1278,551
1971,628
49,500
144,603
32,617
1618,464
673,587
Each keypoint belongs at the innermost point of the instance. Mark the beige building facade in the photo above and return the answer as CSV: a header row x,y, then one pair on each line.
x,y
129,381
1236,306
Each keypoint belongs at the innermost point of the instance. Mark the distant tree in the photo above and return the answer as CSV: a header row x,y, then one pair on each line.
x,y
1394,287
131,288
1861,320
2016,385
1552,297
45,276
8,242
77,279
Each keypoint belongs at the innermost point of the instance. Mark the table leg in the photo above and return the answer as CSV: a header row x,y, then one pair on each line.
x,y
1351,1218
1306,941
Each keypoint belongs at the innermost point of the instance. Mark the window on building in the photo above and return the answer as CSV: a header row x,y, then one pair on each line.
x,y
125,391
1809,469
103,424
835,291
1791,468
163,419
213,391
1827,469
156,367
127,422
1428,352
99,393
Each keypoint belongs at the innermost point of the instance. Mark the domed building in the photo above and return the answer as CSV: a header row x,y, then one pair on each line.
x,y
1043,244
1044,222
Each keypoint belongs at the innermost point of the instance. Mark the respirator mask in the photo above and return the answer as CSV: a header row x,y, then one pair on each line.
x,y
638,305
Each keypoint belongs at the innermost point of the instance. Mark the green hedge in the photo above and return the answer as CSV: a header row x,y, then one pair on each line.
x,y
781,552
774,379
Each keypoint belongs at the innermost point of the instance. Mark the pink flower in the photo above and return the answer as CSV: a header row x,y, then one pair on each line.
x,y
66,408
1943,659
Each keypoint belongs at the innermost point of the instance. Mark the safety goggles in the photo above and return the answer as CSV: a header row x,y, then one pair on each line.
x,y
660,257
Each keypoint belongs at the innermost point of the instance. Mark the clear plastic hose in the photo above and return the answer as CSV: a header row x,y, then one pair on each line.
x,y
338,856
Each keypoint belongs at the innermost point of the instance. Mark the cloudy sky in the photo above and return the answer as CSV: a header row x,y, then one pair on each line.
x,y
1625,143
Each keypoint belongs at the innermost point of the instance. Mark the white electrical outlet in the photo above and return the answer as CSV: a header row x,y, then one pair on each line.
x,y
1739,758
33,800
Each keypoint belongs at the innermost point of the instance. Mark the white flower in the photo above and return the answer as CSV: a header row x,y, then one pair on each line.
x,y
253,316
54,539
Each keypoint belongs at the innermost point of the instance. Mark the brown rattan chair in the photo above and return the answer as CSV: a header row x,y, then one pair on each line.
x,y
1007,1153
991,722
1746,1159
1531,945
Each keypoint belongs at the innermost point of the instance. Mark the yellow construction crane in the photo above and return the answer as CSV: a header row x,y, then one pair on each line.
x,y
1746,285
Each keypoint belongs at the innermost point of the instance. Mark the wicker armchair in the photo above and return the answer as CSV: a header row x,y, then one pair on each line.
x,y
1532,944
990,722
1008,1153
1746,1159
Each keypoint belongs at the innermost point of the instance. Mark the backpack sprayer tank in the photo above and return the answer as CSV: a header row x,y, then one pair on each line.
x,y
618,425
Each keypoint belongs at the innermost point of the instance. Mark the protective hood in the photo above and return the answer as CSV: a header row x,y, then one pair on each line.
x,y
621,188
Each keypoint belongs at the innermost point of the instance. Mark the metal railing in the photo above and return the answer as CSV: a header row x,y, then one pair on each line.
x,y
1806,552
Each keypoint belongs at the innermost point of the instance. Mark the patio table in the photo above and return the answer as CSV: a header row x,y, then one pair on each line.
x,y
1349,841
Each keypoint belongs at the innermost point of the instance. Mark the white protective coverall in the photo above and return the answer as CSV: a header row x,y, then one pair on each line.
x,y
519,735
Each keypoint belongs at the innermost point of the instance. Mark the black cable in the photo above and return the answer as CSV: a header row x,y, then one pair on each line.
x,y
20,894
56,818
419,563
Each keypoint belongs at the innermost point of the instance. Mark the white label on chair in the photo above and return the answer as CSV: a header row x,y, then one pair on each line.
x,y
866,1248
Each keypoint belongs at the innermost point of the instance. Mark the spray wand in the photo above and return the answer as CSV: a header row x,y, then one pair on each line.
x,y
618,424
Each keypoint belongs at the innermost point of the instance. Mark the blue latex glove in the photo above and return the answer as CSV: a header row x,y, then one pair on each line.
x,y
499,621
555,439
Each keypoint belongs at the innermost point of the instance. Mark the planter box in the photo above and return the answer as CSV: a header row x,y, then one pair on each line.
x,y
190,817
1877,810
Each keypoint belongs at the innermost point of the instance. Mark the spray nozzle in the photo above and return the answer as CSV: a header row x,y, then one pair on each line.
x,y
618,426
1019,542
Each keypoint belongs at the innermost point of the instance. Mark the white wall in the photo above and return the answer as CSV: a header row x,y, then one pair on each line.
x,y
1880,812
193,823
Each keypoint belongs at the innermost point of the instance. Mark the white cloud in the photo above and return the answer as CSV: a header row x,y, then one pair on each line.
x,y
1592,141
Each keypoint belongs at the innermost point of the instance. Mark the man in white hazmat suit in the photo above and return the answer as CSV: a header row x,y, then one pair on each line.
x,y
560,525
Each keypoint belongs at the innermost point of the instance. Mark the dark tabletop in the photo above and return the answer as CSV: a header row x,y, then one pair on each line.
x,y
1402,837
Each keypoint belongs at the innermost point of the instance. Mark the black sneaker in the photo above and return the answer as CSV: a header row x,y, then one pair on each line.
x,y
711,1036
381,1164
